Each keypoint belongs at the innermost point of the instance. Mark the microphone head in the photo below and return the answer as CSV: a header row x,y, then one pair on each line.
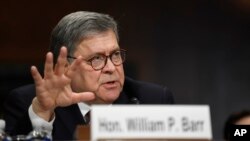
x,y
134,100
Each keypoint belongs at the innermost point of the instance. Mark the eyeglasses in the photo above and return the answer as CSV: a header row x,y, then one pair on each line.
x,y
99,61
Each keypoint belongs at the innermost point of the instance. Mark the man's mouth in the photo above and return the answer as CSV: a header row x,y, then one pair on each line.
x,y
110,84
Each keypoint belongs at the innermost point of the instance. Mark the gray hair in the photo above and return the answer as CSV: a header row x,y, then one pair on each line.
x,y
75,27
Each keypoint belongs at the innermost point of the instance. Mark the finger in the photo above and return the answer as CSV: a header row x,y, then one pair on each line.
x,y
48,67
73,67
83,97
61,61
36,75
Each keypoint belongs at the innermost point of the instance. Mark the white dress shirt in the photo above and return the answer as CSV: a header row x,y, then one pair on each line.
x,y
41,124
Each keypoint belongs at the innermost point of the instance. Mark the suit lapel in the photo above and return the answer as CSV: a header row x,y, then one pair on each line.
x,y
67,118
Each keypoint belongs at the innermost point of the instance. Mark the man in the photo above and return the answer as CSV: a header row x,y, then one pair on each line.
x,y
88,70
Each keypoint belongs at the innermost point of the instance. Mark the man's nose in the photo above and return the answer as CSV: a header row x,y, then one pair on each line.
x,y
109,66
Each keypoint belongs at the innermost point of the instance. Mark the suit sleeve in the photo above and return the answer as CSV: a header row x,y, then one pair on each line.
x,y
16,114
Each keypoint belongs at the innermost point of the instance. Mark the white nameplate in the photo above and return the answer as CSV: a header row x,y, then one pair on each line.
x,y
150,122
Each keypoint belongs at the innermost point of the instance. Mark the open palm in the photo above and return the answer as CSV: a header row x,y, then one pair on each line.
x,y
54,88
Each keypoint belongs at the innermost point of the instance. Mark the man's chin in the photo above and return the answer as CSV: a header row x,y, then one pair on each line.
x,y
110,97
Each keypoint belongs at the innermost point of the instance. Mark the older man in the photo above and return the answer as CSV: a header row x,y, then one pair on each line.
x,y
83,67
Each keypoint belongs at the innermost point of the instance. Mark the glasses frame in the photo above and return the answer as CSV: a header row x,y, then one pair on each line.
x,y
123,57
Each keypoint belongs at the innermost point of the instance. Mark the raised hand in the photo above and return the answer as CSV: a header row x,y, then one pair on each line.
x,y
54,88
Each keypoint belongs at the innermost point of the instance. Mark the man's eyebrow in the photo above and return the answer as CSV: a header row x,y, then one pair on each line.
x,y
115,50
103,53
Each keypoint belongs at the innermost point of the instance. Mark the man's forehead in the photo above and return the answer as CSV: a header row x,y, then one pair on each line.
x,y
104,43
88,50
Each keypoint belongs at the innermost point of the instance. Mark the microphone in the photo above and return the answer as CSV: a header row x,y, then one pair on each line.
x,y
134,100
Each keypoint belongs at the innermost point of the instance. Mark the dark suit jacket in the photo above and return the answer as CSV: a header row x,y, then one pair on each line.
x,y
18,101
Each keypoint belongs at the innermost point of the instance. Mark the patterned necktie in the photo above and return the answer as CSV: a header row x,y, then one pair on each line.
x,y
86,118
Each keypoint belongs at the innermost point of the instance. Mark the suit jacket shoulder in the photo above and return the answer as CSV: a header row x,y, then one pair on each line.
x,y
16,107
18,122
145,93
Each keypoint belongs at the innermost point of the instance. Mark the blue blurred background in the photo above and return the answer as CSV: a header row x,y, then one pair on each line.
x,y
198,48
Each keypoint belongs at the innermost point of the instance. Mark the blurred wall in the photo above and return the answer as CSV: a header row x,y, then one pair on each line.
x,y
199,49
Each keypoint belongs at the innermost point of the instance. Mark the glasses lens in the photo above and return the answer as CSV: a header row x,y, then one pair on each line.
x,y
118,57
98,62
